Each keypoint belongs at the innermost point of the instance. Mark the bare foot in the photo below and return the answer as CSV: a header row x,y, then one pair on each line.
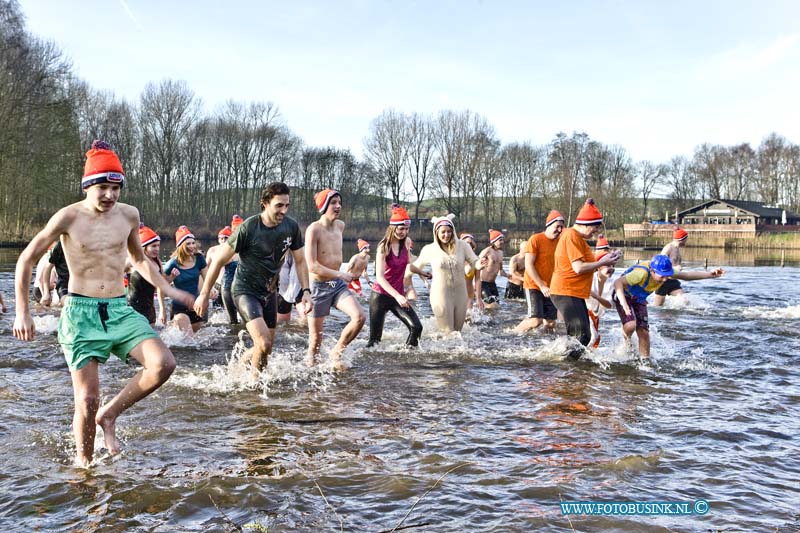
x,y
109,426
311,361
81,462
336,359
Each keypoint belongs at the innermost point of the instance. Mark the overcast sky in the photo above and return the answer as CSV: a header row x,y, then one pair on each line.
x,y
656,77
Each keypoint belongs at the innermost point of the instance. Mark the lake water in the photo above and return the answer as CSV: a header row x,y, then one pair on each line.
x,y
483,431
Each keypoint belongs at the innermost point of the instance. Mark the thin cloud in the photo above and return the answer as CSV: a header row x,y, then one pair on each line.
x,y
130,14
745,60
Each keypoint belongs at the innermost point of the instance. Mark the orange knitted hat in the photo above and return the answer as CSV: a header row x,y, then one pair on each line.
x,y
495,235
225,232
589,215
147,236
399,216
182,234
323,198
236,221
680,234
362,245
102,166
553,217
602,243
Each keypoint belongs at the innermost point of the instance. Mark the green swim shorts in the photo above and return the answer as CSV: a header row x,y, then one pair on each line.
x,y
96,327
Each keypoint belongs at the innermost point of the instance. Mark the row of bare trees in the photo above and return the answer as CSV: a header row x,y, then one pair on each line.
x,y
187,166
769,173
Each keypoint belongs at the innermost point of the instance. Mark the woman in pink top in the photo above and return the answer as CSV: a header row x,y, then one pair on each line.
x,y
387,291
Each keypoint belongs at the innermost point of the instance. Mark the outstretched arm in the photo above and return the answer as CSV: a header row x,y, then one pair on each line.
x,y
56,226
221,258
692,276
149,271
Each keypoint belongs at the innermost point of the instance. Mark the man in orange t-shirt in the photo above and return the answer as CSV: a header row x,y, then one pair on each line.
x,y
539,264
575,264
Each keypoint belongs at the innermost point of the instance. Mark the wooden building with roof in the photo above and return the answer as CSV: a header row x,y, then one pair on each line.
x,y
718,211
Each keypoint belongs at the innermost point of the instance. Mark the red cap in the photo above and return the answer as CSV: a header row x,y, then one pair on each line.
x,y
466,236
323,198
147,236
602,243
495,235
680,234
362,245
102,166
552,217
226,231
399,216
236,221
182,234
589,215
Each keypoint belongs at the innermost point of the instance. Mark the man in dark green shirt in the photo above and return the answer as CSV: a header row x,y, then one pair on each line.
x,y
261,242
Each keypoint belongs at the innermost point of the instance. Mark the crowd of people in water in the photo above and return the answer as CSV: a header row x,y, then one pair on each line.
x,y
103,267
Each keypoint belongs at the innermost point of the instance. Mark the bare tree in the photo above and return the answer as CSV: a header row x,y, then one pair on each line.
x,y
168,111
420,159
567,164
386,149
650,176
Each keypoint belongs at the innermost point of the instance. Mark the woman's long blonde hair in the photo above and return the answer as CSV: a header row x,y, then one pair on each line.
x,y
181,253
383,245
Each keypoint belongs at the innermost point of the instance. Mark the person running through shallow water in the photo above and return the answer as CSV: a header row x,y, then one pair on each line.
x,y
187,270
494,255
290,292
672,287
516,273
575,264
600,297
388,293
98,233
447,256
56,261
328,283
142,293
262,242
540,250
225,280
473,281
635,285
357,267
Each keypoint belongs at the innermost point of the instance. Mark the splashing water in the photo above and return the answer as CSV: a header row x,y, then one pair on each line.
x,y
46,323
770,313
686,301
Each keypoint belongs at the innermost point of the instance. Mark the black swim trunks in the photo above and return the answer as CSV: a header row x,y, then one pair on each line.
x,y
668,286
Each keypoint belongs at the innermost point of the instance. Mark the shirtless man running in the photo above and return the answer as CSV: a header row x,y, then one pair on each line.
x,y
97,234
328,283
672,286
494,255
516,267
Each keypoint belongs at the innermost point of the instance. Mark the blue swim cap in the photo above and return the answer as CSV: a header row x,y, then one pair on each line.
x,y
662,265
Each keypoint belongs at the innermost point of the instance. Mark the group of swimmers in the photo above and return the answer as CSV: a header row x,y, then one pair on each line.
x,y
266,254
